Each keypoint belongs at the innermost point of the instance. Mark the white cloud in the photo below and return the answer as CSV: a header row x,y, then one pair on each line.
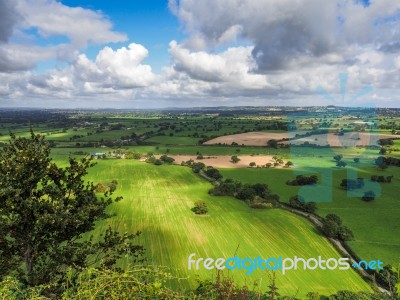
x,y
51,19
81,26
116,72
245,51
120,69
8,18
285,32
233,66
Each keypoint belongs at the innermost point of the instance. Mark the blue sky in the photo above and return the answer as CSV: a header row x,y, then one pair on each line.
x,y
149,23
120,53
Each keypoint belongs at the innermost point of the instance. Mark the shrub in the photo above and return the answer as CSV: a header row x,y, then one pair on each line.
x,y
272,143
151,160
333,228
369,196
352,184
341,164
167,159
299,203
158,162
260,205
213,173
246,193
288,164
200,208
303,180
235,159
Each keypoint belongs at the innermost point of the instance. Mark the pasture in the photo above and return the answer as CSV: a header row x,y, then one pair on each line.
x,y
157,201
375,224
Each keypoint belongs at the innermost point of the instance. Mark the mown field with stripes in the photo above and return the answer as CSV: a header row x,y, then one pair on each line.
x,y
157,201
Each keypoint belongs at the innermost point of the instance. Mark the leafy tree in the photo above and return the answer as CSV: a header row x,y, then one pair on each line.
x,y
388,277
380,162
246,193
310,207
167,159
235,159
261,189
303,180
345,233
44,212
158,162
369,196
352,184
213,173
151,159
197,166
356,159
277,160
296,201
334,218
338,157
272,143
252,164
200,208
330,228
228,187
341,164
288,164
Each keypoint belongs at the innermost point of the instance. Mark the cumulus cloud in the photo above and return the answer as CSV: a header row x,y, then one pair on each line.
x,y
49,18
23,57
233,66
236,51
8,18
285,31
81,26
119,69
112,72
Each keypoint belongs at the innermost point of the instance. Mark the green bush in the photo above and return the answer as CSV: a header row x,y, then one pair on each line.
x,y
158,162
200,208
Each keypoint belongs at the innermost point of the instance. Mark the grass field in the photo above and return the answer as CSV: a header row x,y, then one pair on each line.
x,y
157,201
376,224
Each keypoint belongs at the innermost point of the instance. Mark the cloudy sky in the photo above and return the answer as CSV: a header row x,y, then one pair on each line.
x,y
151,54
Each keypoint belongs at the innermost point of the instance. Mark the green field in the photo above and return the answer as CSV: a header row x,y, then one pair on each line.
x,y
157,201
375,224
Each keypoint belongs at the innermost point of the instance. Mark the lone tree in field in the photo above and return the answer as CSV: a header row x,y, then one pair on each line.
x,y
200,208
338,157
288,164
235,159
368,196
44,212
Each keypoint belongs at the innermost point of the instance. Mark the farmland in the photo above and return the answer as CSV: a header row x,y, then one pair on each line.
x,y
157,200
375,225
